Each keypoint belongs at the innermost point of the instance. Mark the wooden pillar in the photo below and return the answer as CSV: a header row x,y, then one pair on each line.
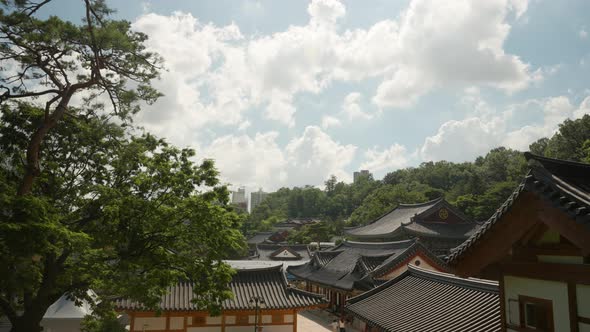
x,y
222,322
502,303
132,318
167,322
572,299
294,320
185,322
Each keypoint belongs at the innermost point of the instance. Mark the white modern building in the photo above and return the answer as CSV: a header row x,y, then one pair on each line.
x,y
256,198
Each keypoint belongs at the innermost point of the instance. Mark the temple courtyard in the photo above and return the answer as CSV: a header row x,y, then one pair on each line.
x,y
317,321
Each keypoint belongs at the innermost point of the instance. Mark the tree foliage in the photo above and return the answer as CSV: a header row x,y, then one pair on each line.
x,y
51,60
111,211
568,141
477,188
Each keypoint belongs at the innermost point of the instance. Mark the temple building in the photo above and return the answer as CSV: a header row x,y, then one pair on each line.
x,y
438,225
282,252
262,298
425,300
279,233
537,245
351,268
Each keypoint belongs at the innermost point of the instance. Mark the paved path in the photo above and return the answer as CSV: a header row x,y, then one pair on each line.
x,y
316,321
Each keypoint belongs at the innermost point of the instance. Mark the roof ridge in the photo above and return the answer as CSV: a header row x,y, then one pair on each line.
x,y
433,201
563,185
379,243
414,248
528,155
473,283
304,292
258,269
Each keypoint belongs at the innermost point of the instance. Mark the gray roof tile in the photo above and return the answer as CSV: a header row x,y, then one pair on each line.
x,y
352,262
406,218
269,283
422,300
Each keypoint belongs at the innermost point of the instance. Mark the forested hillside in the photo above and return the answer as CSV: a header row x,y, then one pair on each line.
x,y
477,188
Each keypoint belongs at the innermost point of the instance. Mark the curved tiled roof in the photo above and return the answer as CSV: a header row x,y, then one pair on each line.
x,y
392,220
441,230
322,258
259,237
406,219
422,300
344,268
394,261
268,251
268,283
564,184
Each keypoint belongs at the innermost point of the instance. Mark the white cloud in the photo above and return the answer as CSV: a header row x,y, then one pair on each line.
x,y
215,73
259,161
183,109
243,160
325,11
281,109
583,33
392,158
330,121
351,108
453,43
314,156
583,109
244,125
461,140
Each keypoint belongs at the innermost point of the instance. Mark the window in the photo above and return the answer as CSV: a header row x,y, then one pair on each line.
x,y
535,313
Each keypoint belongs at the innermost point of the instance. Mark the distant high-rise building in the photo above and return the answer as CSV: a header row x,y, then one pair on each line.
x,y
360,174
238,198
257,198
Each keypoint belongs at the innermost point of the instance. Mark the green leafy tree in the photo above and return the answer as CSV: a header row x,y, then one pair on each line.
x,y
539,146
317,232
103,319
568,141
56,60
113,212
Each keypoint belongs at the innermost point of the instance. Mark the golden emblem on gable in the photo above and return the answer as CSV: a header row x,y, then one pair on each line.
x,y
443,213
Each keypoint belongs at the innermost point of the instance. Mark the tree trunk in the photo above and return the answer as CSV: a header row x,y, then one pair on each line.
x,y
28,322
32,169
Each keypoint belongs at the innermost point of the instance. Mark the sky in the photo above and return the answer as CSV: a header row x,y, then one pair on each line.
x,y
287,93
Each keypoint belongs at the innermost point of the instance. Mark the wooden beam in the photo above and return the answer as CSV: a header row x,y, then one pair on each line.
x,y
557,250
535,234
573,306
498,241
294,320
558,220
576,273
